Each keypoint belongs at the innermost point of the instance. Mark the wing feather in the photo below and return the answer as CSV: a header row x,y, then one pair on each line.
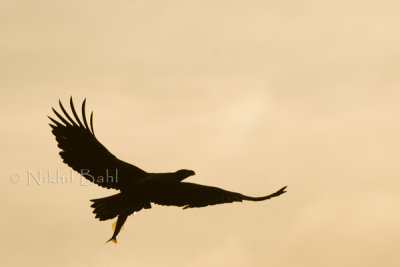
x,y
66,113
91,122
84,115
71,103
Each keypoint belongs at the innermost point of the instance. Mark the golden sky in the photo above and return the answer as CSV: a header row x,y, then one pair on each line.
x,y
252,95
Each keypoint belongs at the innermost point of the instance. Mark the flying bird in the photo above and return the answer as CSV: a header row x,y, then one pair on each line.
x,y
83,152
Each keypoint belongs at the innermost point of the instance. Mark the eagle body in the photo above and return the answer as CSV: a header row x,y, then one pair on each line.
x,y
81,150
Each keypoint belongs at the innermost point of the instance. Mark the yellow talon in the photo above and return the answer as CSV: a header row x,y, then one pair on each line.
x,y
115,225
113,240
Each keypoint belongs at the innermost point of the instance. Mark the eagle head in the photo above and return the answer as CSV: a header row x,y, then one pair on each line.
x,y
183,174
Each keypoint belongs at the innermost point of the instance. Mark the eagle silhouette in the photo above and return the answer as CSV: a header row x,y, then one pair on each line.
x,y
81,150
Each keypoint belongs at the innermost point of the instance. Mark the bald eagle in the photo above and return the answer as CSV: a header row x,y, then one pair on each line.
x,y
81,150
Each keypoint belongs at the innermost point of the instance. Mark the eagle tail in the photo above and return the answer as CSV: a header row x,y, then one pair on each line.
x,y
110,207
107,207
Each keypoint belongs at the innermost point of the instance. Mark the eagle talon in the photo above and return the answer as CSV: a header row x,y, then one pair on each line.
x,y
114,240
114,225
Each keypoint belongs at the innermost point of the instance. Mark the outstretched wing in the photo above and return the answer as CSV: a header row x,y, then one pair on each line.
x,y
191,195
81,150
